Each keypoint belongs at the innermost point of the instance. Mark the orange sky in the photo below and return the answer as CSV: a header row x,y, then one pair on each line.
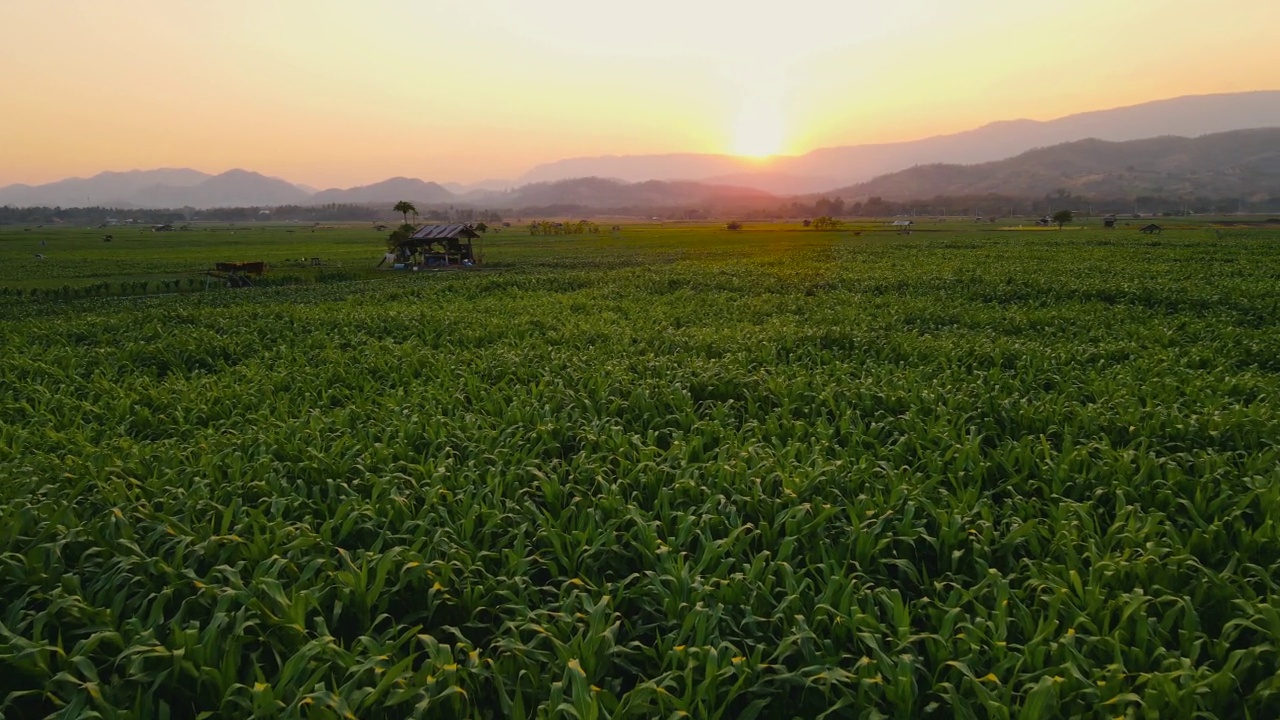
x,y
336,93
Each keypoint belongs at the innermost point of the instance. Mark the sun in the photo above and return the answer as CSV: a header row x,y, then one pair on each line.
x,y
758,131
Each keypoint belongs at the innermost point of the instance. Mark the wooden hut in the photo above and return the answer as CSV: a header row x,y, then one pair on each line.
x,y
439,245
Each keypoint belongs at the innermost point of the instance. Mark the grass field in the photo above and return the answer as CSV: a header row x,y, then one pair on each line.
x,y
677,472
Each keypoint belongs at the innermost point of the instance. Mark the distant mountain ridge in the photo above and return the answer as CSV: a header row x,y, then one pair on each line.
x,y
606,193
1240,163
233,188
392,190
102,189
163,188
825,168
813,172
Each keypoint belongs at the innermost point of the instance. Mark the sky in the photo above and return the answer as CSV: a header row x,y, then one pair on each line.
x,y
335,94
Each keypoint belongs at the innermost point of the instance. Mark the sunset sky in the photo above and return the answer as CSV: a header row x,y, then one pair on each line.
x,y
343,93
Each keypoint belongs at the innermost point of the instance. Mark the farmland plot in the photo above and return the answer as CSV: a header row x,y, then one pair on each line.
x,y
963,476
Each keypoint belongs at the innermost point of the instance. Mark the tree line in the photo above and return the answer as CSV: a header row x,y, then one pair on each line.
x,y
332,212
988,205
992,205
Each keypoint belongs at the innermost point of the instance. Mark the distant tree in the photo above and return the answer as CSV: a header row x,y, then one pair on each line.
x,y
1062,217
404,208
826,222
829,208
399,236
735,225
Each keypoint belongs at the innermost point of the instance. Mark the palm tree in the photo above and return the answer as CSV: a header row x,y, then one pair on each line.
x,y
404,207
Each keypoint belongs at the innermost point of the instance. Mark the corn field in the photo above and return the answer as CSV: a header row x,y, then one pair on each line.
x,y
786,476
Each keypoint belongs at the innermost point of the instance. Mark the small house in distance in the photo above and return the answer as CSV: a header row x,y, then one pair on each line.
x,y
1109,221
1152,229
438,245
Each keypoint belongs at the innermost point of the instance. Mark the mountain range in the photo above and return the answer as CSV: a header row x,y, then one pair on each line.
x,y
828,168
393,190
163,188
1240,164
954,162
605,193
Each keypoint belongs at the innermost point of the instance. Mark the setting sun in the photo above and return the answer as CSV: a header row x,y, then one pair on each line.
x,y
758,130
319,97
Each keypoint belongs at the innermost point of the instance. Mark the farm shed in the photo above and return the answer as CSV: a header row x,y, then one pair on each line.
x,y
1152,229
235,274
439,245
903,223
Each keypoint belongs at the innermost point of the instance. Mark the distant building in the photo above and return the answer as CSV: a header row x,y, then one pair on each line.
x,y
432,245
1152,229
903,223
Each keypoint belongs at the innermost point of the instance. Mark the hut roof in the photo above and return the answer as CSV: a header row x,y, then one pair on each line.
x,y
441,232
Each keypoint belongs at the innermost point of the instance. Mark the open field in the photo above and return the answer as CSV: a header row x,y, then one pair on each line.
x,y
77,256
774,473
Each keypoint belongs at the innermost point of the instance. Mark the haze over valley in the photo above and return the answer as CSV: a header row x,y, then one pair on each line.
x,y
1182,146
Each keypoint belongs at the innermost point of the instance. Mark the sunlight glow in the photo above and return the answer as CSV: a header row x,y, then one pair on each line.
x,y
759,126
321,96
758,132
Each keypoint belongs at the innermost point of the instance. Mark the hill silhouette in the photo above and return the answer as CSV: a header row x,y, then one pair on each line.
x,y
1242,163
830,167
